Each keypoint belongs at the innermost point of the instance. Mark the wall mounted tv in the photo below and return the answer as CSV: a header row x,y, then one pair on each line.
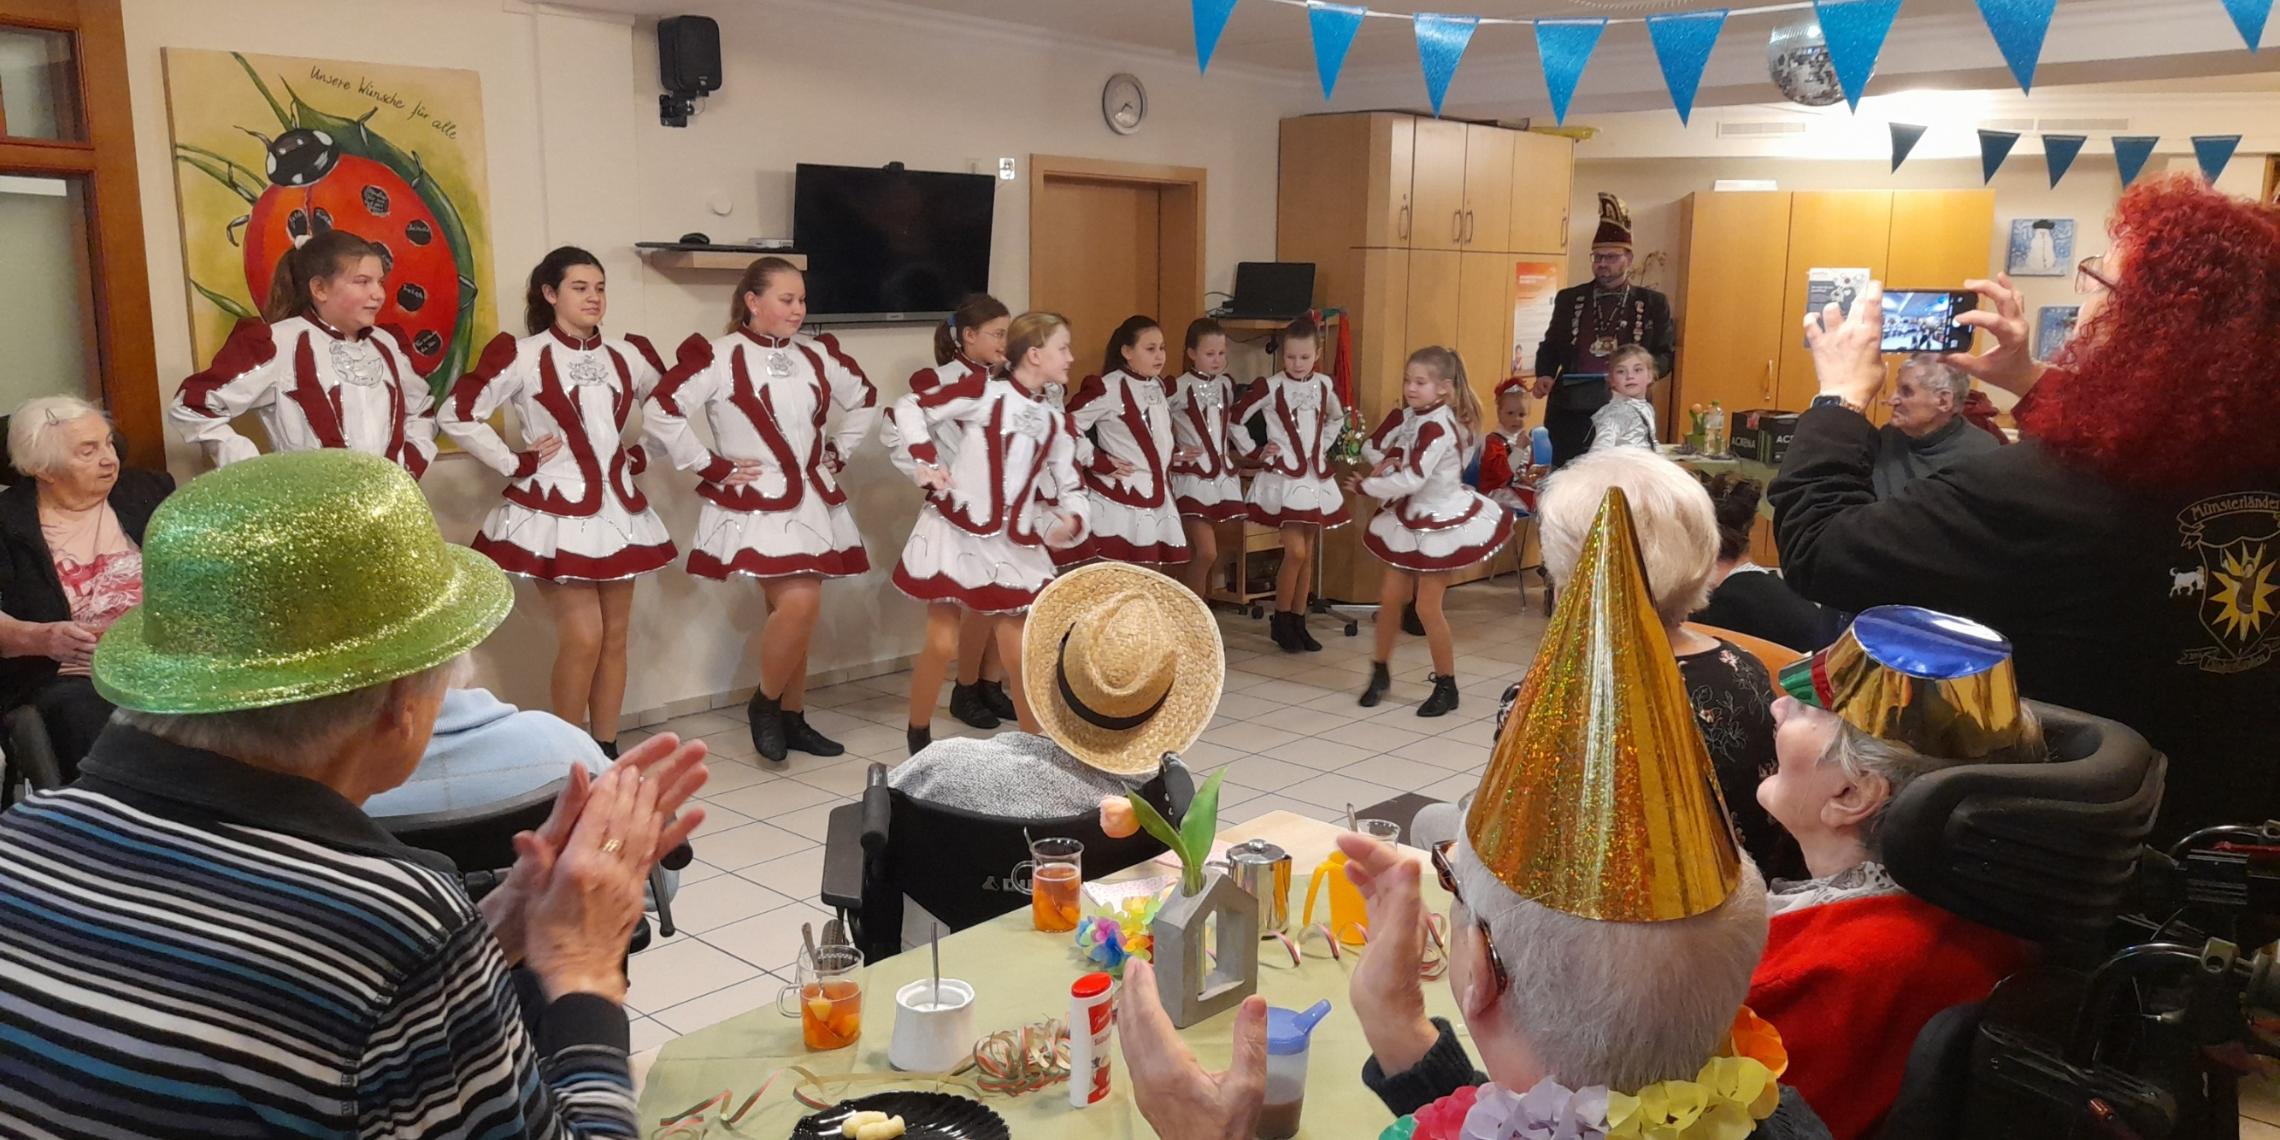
x,y
891,245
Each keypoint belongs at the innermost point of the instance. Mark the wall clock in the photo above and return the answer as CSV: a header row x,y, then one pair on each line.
x,y
1124,103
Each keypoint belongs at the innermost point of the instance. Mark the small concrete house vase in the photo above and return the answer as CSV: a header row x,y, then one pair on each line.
x,y
1196,984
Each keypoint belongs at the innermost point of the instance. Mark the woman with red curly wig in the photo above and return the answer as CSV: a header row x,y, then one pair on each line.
x,y
2129,546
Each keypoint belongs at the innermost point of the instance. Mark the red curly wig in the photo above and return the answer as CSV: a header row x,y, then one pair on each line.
x,y
2174,382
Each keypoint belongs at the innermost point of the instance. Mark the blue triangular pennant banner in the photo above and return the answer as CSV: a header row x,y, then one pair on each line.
x,y
2215,153
1855,31
1905,136
2249,17
2130,153
1682,45
1210,20
2059,152
1441,41
2018,27
1994,147
1333,26
1565,47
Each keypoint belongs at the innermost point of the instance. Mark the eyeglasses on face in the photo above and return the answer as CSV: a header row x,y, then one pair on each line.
x,y
1449,883
2090,276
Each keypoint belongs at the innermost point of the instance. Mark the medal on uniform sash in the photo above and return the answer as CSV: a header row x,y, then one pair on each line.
x,y
1603,347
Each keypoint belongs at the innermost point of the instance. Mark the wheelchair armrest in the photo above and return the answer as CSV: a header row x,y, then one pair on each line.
x,y
1179,786
853,835
878,810
30,752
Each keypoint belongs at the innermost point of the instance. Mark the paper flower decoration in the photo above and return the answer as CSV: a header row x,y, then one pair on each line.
x,y
1191,840
1110,940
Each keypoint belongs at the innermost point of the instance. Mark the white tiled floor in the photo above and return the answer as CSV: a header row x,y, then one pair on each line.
x,y
1288,734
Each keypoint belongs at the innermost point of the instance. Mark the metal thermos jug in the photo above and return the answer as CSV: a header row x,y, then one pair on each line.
x,y
1264,870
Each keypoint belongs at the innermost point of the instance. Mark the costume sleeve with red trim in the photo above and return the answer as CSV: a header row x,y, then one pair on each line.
x,y
466,412
908,429
1071,500
244,375
418,398
692,382
1373,448
1408,476
857,398
1333,416
647,366
1250,404
1089,404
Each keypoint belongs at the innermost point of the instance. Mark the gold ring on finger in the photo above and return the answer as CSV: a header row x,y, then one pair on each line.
x,y
612,846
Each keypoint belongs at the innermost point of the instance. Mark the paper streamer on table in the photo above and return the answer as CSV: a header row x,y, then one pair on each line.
x,y
2215,153
1994,147
1682,45
2018,27
1441,40
2130,153
1855,31
2249,17
2059,153
1333,26
1565,47
1905,136
1210,20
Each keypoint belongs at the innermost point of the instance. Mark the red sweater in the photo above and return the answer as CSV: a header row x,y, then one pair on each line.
x,y
1850,984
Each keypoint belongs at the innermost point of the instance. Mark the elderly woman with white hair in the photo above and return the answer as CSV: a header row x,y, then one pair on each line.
x,y
1929,431
73,530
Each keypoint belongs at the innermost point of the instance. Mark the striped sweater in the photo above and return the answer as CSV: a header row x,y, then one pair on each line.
x,y
190,946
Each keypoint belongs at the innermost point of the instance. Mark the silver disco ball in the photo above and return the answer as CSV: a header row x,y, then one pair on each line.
x,y
1797,57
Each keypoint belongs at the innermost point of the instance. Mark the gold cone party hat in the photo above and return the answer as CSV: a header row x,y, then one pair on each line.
x,y
1600,799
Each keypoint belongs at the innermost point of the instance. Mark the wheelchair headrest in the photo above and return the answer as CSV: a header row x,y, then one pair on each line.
x,y
2041,851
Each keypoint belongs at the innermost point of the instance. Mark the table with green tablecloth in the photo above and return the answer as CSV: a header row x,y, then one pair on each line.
x,y
1727,465
1020,976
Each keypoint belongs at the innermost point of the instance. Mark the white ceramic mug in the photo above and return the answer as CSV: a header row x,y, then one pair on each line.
x,y
934,1030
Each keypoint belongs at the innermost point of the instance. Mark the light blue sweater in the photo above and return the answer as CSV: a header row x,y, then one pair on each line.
x,y
485,750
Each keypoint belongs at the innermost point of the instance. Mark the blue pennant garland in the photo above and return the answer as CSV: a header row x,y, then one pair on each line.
x,y
1333,26
1441,41
1565,48
2215,153
2249,17
2130,153
2018,27
1682,45
2059,152
1855,31
1905,136
1210,20
1994,147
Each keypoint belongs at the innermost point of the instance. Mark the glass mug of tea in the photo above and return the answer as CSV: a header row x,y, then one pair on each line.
x,y
829,991
1052,877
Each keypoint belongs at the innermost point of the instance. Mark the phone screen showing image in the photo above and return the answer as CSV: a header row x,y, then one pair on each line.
x,y
1924,321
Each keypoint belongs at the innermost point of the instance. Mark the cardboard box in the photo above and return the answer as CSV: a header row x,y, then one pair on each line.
x,y
1762,435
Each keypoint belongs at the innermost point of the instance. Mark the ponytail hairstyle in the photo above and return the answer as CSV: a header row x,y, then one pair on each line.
x,y
757,277
538,312
1734,500
1125,336
1028,331
326,255
1200,328
1462,403
972,313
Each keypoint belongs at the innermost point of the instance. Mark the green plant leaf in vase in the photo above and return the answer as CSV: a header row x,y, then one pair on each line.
x,y
1191,840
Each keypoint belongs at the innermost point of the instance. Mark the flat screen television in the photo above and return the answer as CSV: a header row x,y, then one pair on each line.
x,y
891,245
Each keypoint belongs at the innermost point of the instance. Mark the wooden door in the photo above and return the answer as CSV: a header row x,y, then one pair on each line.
x,y
1324,199
1392,144
1435,278
1484,323
1097,259
1543,175
1381,329
1437,185
1488,188
1939,240
1828,229
1731,293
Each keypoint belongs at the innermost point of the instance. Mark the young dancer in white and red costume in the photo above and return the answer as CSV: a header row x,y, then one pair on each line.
x,y
773,507
315,370
969,342
1295,488
1431,524
1205,485
1130,420
982,543
573,520
1508,455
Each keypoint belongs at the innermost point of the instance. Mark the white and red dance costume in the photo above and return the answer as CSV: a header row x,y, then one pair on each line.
x,y
981,542
1303,419
767,400
945,434
577,517
1429,521
313,387
1207,487
1504,464
1133,516
1854,967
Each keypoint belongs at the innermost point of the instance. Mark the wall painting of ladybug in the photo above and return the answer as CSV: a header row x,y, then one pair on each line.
x,y
272,150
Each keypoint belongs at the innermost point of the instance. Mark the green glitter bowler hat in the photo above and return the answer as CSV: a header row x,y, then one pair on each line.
x,y
292,577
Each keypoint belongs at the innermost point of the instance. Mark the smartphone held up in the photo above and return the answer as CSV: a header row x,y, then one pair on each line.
x,y
1924,320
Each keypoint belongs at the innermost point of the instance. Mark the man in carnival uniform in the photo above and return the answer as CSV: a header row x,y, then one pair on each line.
x,y
1589,322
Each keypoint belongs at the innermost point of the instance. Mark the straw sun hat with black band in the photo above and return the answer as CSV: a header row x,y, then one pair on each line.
x,y
1121,665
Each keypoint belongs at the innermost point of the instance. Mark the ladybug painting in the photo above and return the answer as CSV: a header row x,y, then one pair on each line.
x,y
322,172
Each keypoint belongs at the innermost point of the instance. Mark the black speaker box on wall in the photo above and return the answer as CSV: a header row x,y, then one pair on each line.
x,y
688,65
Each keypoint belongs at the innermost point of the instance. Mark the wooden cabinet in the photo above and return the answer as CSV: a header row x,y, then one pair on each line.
x,y
1488,189
1484,324
1437,185
1827,229
1543,171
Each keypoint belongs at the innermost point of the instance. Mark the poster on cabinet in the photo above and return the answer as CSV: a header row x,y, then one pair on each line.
x,y
1535,284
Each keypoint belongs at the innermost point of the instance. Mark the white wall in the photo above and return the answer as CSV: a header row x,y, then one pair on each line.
x,y
577,156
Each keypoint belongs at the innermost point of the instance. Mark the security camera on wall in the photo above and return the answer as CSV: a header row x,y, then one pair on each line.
x,y
688,65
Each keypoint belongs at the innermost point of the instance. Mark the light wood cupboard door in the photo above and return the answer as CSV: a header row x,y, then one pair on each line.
x,y
1392,156
1828,229
1437,185
1733,282
1435,285
1484,322
1381,329
1488,188
1543,175
1324,198
1940,239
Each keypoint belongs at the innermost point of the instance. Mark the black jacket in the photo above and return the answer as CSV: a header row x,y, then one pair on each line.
x,y
2156,611
1566,346
29,589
